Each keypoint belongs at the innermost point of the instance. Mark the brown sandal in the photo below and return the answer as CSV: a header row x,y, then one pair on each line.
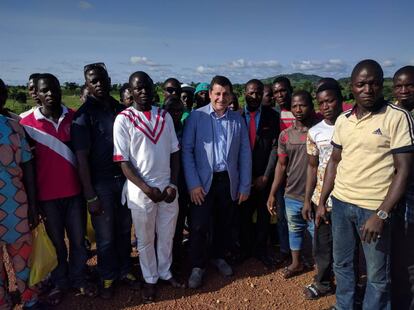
x,y
287,273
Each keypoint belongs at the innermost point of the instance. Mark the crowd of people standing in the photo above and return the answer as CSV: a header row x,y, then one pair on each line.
x,y
337,179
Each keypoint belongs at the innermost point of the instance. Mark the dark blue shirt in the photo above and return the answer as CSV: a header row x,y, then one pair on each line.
x,y
92,129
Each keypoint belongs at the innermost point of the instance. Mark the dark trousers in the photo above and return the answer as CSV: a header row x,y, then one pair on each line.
x,y
282,225
211,221
113,230
183,203
67,214
402,261
322,248
410,256
253,238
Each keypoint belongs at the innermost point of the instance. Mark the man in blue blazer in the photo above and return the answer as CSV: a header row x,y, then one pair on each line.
x,y
217,167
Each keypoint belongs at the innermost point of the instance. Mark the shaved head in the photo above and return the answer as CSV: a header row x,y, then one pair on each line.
x,y
408,70
404,87
373,67
139,74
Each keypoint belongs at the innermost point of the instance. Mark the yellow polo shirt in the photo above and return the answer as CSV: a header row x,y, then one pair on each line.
x,y
366,169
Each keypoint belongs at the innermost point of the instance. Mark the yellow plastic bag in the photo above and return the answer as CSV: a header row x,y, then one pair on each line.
x,y
43,258
90,232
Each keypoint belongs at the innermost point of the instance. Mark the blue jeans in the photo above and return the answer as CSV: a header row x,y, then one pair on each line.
x,y
296,224
282,226
347,219
67,214
112,230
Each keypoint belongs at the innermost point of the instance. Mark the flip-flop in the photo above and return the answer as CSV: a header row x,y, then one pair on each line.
x,y
287,273
312,292
55,296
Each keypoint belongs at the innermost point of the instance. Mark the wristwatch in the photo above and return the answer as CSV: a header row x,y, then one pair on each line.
x,y
383,215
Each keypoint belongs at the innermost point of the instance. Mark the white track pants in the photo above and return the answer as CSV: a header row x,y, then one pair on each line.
x,y
160,219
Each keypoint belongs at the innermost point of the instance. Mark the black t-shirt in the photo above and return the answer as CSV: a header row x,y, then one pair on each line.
x,y
92,129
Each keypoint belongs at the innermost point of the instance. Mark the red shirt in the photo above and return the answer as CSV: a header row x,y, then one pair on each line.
x,y
286,119
56,174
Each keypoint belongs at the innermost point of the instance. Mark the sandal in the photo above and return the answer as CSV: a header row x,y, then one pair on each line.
x,y
288,273
312,292
55,296
148,293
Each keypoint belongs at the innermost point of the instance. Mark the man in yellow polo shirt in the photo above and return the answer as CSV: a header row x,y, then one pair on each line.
x,y
367,175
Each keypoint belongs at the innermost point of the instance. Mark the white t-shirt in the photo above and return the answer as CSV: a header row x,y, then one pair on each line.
x,y
319,144
147,144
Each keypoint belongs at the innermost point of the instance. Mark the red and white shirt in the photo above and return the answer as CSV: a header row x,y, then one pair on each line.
x,y
56,173
146,139
286,119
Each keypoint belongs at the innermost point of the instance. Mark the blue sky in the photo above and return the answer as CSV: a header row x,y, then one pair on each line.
x,y
194,40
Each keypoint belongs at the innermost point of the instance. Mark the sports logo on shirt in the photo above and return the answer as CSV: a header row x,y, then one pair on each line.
x,y
377,132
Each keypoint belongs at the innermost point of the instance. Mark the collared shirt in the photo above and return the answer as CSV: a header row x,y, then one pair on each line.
x,y
56,167
256,116
220,125
366,169
92,130
292,143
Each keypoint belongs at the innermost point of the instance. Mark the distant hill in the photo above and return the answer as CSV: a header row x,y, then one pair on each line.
x,y
295,78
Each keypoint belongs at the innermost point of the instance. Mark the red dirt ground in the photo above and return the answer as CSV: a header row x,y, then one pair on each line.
x,y
252,287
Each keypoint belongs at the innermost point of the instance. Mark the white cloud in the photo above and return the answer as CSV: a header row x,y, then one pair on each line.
x,y
239,70
142,60
332,66
388,63
242,63
205,70
85,5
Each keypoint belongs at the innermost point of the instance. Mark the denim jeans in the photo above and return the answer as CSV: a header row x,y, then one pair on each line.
x,y
296,224
112,230
347,219
67,214
282,226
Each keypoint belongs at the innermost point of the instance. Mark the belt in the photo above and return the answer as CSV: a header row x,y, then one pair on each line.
x,y
222,175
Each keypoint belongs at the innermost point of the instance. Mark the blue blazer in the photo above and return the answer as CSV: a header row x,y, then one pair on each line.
x,y
198,153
